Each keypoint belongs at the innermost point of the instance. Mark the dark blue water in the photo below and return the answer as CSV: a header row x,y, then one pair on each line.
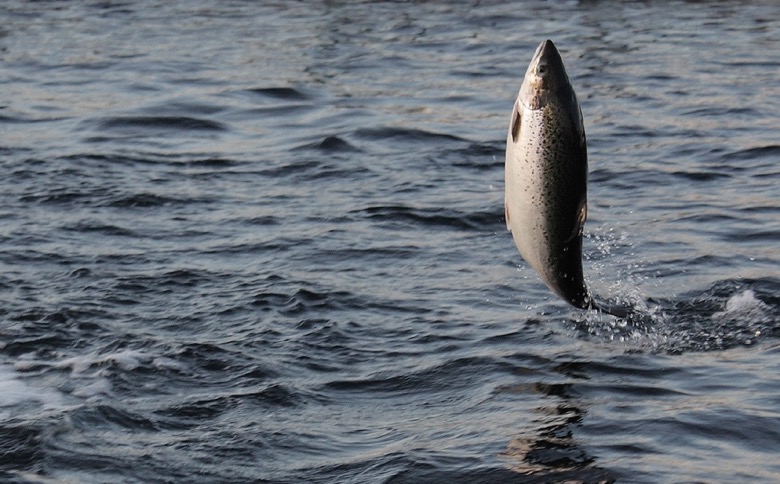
x,y
245,242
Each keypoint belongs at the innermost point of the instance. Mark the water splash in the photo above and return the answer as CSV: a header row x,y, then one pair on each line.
x,y
729,314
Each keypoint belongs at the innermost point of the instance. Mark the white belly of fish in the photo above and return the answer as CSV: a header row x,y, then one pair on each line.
x,y
545,195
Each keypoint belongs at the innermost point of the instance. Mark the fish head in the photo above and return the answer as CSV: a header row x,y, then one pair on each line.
x,y
545,77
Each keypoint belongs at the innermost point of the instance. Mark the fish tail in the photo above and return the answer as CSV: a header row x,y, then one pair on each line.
x,y
622,311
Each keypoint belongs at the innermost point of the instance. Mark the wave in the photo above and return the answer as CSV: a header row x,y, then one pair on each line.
x,y
197,160
63,196
768,151
149,200
452,373
481,156
194,411
435,217
24,447
156,123
701,176
330,144
102,229
285,93
405,134
302,300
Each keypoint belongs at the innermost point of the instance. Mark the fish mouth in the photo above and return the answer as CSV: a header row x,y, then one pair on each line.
x,y
546,56
545,76
545,50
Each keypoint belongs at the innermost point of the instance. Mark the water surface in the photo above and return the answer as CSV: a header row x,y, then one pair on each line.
x,y
253,242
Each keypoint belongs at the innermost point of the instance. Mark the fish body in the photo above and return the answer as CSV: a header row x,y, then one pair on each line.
x,y
546,174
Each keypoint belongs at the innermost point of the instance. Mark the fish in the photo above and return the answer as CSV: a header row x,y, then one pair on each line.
x,y
546,179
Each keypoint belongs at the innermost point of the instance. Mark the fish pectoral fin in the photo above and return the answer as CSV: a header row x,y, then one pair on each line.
x,y
579,226
516,122
506,216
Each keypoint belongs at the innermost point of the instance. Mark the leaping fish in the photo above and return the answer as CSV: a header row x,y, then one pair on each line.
x,y
546,179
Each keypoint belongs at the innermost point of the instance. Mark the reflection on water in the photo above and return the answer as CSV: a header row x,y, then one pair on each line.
x,y
552,453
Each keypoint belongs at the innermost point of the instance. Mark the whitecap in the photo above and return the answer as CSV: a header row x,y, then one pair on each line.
x,y
14,391
98,387
127,360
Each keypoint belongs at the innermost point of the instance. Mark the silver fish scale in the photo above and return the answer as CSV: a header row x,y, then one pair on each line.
x,y
546,189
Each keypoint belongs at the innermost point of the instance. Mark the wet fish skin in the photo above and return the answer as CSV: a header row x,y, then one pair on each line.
x,y
546,174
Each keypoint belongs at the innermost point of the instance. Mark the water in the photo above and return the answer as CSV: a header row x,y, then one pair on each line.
x,y
245,241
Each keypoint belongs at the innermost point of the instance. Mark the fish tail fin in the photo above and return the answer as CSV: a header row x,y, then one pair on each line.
x,y
622,311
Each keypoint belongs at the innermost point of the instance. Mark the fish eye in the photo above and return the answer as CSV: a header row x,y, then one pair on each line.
x,y
542,68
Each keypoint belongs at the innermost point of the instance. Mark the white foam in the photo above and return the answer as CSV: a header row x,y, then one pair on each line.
x,y
30,379
127,360
14,391
164,363
99,387
744,306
